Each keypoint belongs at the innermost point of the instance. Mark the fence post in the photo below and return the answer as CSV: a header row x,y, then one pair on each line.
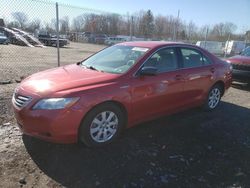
x,y
57,35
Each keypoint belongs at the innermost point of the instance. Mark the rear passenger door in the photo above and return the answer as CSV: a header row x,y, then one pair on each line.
x,y
198,70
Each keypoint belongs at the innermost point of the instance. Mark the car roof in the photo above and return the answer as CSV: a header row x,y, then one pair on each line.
x,y
151,44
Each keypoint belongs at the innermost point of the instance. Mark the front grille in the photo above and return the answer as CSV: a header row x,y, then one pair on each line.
x,y
241,67
20,100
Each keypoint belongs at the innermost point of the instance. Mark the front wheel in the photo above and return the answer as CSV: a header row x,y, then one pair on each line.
x,y
102,125
214,97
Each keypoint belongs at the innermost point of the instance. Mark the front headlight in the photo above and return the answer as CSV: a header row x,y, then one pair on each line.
x,y
55,103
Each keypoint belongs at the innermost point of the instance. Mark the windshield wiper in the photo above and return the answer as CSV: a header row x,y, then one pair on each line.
x,y
90,67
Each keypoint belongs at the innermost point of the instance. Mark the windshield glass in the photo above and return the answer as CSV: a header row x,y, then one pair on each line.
x,y
246,52
115,59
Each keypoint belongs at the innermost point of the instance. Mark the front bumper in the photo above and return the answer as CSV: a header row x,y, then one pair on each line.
x,y
58,126
241,75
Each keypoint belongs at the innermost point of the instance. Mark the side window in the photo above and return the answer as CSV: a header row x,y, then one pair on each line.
x,y
193,58
164,60
206,61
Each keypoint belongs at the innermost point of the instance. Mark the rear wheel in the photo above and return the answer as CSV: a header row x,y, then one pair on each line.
x,y
214,97
102,125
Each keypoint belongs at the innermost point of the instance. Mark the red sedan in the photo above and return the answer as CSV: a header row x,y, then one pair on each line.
x,y
241,66
94,100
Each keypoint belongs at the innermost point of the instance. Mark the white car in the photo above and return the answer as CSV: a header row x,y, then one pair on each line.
x,y
4,39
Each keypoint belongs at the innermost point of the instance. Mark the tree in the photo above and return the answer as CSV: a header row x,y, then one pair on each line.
x,y
160,26
148,24
114,21
183,35
78,23
247,35
34,25
191,30
64,24
221,31
21,18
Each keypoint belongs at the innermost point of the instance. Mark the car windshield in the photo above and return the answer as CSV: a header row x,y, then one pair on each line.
x,y
115,59
246,52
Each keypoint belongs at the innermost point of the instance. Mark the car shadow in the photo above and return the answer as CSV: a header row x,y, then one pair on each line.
x,y
192,148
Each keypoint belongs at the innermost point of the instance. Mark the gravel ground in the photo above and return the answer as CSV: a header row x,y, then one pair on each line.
x,y
188,149
20,61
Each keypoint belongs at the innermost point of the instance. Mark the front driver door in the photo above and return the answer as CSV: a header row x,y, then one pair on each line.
x,y
161,93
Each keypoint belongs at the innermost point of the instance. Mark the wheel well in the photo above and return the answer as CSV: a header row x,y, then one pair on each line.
x,y
222,85
120,105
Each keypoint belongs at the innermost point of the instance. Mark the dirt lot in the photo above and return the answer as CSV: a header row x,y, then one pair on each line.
x,y
16,61
189,149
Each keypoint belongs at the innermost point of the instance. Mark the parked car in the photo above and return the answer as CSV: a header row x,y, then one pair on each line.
x,y
233,47
213,47
114,40
241,66
94,100
100,39
50,40
4,39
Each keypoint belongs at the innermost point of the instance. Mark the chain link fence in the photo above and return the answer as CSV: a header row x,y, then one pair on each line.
x,y
39,40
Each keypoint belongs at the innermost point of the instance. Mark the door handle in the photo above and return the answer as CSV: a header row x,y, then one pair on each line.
x,y
178,77
212,70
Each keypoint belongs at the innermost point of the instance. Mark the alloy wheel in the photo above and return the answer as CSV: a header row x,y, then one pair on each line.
x,y
104,126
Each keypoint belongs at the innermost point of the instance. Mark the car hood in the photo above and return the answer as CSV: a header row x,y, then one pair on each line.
x,y
65,78
239,59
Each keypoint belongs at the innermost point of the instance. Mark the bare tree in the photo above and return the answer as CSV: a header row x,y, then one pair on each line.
x,y
114,21
160,26
221,31
64,24
34,25
191,31
247,36
144,24
78,23
147,24
21,18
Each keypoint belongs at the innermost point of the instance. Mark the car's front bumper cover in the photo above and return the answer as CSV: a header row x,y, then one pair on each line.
x,y
241,75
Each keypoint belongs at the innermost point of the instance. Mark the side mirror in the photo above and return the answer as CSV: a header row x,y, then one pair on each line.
x,y
148,71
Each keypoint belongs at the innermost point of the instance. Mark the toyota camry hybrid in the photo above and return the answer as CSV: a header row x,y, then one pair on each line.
x,y
92,101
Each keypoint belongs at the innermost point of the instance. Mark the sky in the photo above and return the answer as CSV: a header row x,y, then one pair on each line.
x,y
201,12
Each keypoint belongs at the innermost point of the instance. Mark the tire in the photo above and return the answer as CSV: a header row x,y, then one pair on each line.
x,y
97,130
213,98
